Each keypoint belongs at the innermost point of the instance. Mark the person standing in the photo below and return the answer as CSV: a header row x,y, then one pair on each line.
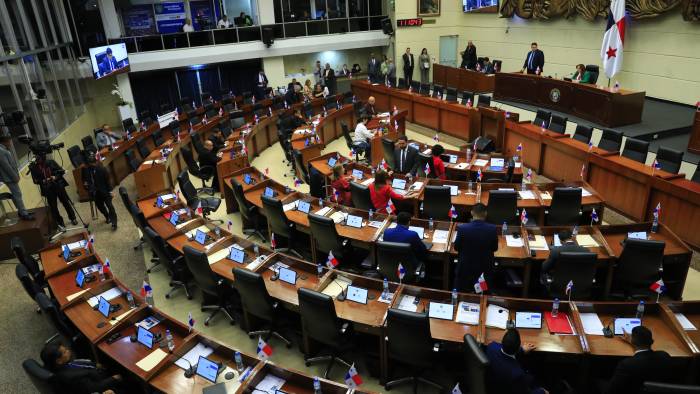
x,y
96,182
424,66
506,374
408,65
317,72
9,175
381,192
469,56
405,157
49,176
475,242
390,71
209,158
439,171
329,78
261,85
383,68
373,68
534,61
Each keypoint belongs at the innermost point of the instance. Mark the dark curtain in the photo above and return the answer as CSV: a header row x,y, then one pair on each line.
x,y
239,77
152,89
209,78
189,87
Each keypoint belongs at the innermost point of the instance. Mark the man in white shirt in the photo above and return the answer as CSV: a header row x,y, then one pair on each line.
x,y
187,27
223,23
106,137
362,137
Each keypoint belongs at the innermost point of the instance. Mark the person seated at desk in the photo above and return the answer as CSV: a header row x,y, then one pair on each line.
x,y
581,75
243,20
77,376
295,121
223,23
187,26
362,137
505,374
405,157
217,138
475,242
567,245
308,89
368,109
401,233
209,158
320,91
294,86
345,71
488,66
380,192
438,164
646,365
106,137
341,186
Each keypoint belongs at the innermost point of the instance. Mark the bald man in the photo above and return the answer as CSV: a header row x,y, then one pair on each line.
x,y
369,107
209,158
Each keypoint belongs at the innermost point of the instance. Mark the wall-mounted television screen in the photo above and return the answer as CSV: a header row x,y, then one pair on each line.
x,y
109,60
490,6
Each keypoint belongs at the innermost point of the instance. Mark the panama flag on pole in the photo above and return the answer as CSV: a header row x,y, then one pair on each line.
x,y
264,350
190,320
400,271
614,38
481,286
332,262
453,212
658,287
352,378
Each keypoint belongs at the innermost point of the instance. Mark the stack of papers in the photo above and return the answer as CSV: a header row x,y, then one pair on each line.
x,y
540,243
336,286
586,240
685,323
338,217
270,384
276,266
408,303
73,246
193,355
527,195
513,242
585,193
218,256
480,162
497,316
256,263
323,211
591,324
149,322
150,361
291,206
192,233
545,195
440,236
468,313
108,295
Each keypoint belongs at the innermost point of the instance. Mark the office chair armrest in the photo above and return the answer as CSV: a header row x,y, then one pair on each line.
x,y
437,346
344,327
205,190
513,279
207,171
420,270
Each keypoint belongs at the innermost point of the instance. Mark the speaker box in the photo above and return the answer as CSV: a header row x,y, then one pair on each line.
x,y
386,26
268,36
485,145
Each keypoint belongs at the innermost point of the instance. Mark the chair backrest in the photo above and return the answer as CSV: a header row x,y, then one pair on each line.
x,y
254,296
557,124
346,134
55,317
325,234
390,254
497,64
388,150
542,116
192,165
583,133
451,94
132,160
565,209
361,196
437,203
578,267
636,150
189,192
415,86
225,128
594,69
17,246
26,280
126,200
299,163
639,264
402,83
244,206
437,91
197,143
308,110
409,338
317,182
158,138
40,377
138,217
696,175
477,365
467,97
503,207
668,388
484,101
276,218
611,140
143,148
76,156
88,142
157,243
318,317
424,159
198,265
669,159
425,89
237,122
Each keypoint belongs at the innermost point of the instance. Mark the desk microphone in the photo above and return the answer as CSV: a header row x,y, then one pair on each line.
x,y
189,372
343,292
275,275
607,331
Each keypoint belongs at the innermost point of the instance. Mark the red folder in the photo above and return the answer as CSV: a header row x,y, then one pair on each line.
x,y
559,324
167,215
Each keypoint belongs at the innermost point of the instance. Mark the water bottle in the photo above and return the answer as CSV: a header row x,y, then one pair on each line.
x,y
319,269
239,362
317,385
385,287
370,214
217,231
256,249
555,307
130,298
320,202
523,184
101,273
504,229
430,224
640,310
149,298
469,187
469,155
574,232
454,296
655,225
169,340
286,190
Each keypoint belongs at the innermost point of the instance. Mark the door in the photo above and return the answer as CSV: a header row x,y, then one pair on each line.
x,y
448,50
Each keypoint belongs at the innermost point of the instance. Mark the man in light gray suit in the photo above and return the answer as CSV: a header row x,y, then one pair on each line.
x,y
9,174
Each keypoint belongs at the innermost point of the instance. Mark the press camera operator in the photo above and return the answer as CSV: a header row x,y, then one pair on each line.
x,y
96,182
49,176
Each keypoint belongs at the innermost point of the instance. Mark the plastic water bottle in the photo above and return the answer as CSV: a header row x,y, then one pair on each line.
x,y
454,296
469,155
640,310
575,230
317,385
504,229
130,298
217,231
320,202
239,361
319,269
370,214
256,249
555,307
469,186
286,190
169,340
149,298
523,184
385,287
655,225
430,224
101,273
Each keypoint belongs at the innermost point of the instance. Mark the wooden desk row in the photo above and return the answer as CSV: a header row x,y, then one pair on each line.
x,y
463,79
163,374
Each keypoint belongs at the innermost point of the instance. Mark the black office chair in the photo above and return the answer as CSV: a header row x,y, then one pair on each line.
x,y
320,323
88,144
208,204
358,108
477,366
577,267
425,89
158,138
390,254
27,282
195,120
424,159
249,213
467,97
668,388
583,133
437,203
402,84
279,224
76,156
416,86
299,164
27,260
247,97
669,159
132,160
497,65
696,175
317,183
128,124
594,70
353,146
127,204
503,207
636,150
557,124
215,290
451,95
388,150
565,209
173,263
225,128
437,91
326,238
308,110
257,303
57,319
611,140
142,148
41,378
541,118
197,143
409,342
484,101
203,173
361,196
637,267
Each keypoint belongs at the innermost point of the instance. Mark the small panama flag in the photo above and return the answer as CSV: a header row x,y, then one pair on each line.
x,y
656,165
267,171
390,207
269,111
481,286
583,170
456,389
199,209
396,125
529,175
128,134
98,156
221,111
544,126
453,212
475,145
273,243
297,182
384,164
286,104
657,211
352,152
264,350
255,118
354,99
332,262
400,271
426,169
352,378
253,99
594,216
228,225
396,110
436,137
205,120
590,146
106,269
658,287
538,71
523,217
145,288
478,175
469,103
89,243
336,194
190,320
520,147
569,288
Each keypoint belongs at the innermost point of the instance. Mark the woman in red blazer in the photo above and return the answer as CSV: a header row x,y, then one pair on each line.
x,y
341,185
381,192
438,165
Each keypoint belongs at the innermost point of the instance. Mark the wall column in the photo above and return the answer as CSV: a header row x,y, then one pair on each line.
x,y
267,12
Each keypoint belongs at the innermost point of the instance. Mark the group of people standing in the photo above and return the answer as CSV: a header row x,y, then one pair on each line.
x,y
379,72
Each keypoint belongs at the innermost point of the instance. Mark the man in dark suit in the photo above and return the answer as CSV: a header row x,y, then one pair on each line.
x,y
96,182
505,375
209,158
373,68
476,242
369,109
567,245
405,157
329,78
108,63
77,376
408,65
469,56
49,176
645,365
534,61
261,85
401,233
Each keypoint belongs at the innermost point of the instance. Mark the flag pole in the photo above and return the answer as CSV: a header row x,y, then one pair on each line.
x,y
658,295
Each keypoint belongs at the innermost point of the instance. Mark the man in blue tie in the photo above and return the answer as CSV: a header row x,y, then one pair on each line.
x,y
108,64
402,234
534,61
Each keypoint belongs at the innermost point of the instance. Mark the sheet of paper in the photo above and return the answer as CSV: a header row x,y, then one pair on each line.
x,y
147,162
291,206
528,320
625,324
586,240
270,384
585,193
76,295
461,166
149,362
367,181
480,162
339,217
109,295
166,197
121,317
375,224
408,303
218,256
685,323
527,195
518,164
256,263
181,225
416,185
496,316
545,195
335,286
637,235
427,151
73,246
323,211
540,243
591,324
276,266
557,241
468,313
437,310
149,322
440,236
192,233
513,242
193,355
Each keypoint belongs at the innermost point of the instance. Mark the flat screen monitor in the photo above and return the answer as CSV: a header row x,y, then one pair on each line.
x,y
207,369
144,337
109,60
103,306
487,6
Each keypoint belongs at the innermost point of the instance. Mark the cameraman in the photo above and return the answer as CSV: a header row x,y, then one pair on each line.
x,y
9,174
49,176
96,181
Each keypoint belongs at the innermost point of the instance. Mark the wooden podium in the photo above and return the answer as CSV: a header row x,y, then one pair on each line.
x,y
694,143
